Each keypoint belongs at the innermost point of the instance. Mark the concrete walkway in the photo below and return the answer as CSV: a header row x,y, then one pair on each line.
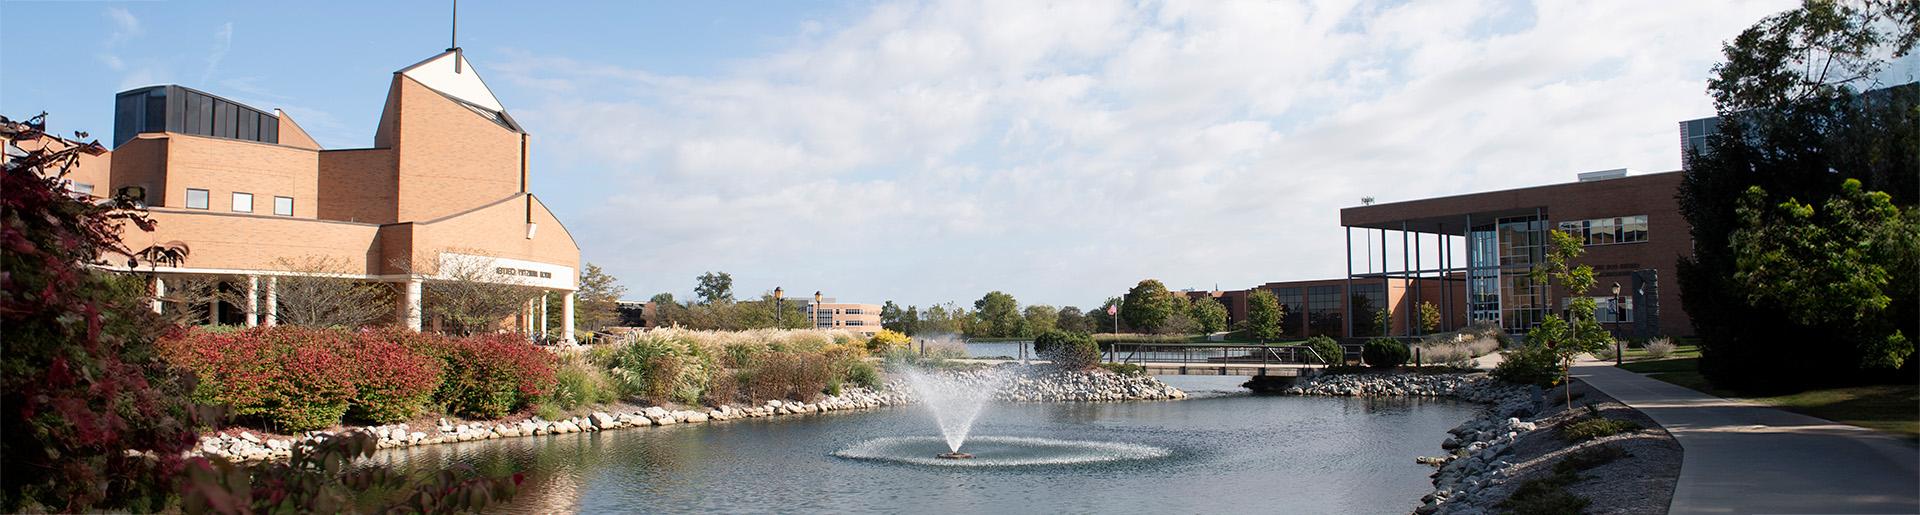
x,y
1742,457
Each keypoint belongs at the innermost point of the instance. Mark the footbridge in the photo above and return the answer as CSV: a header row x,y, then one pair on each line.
x,y
1212,359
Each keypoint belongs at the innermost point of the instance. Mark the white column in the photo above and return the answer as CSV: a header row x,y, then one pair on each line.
x,y
543,313
410,305
253,300
273,301
159,291
566,317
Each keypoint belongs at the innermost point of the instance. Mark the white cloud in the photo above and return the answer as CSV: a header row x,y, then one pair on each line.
x,y
125,25
222,43
927,152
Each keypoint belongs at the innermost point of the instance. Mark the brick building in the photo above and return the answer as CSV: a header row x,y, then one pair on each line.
x,y
443,186
1481,245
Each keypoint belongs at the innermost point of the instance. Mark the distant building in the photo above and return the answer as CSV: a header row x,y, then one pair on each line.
x,y
637,314
826,313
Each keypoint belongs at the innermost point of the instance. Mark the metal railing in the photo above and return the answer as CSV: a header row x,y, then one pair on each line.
x,y
1213,354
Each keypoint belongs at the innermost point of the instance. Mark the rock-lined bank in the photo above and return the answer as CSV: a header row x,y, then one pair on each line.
x,y
1031,383
1474,447
1017,384
247,446
1515,438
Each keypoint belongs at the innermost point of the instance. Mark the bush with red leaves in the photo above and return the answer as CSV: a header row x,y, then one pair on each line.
x,y
90,418
489,376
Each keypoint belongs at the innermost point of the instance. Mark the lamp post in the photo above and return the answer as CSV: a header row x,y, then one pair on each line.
x,y
816,309
1617,350
779,306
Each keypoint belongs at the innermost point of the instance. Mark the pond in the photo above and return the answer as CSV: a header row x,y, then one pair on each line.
x,y
1222,451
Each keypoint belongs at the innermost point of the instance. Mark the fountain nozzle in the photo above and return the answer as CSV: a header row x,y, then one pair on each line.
x,y
954,456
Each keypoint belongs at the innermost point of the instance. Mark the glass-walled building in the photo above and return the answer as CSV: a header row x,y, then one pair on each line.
x,y
1479,249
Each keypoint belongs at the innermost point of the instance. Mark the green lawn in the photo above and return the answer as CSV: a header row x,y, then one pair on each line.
x,y
1683,351
1890,408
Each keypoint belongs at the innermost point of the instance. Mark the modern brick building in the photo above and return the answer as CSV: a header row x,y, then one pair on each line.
x,y
443,186
1481,245
1322,307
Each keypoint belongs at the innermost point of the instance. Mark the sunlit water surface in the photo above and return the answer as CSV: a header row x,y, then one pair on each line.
x,y
1221,452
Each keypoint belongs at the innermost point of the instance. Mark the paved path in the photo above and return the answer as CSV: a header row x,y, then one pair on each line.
x,y
1742,457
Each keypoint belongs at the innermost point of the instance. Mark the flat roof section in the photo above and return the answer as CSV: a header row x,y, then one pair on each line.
x,y
1450,215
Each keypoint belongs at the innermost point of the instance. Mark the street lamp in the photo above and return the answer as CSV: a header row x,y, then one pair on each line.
x,y
816,309
1617,350
779,305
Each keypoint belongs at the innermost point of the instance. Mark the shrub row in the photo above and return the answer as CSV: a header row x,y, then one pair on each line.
x,y
296,379
720,367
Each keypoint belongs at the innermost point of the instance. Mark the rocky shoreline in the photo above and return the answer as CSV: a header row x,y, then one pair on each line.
x,y
1016,384
1514,438
1033,383
1474,448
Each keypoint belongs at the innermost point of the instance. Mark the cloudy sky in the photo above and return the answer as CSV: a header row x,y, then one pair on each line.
x,y
931,151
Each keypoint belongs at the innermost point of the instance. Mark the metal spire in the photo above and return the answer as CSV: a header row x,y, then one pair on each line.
x,y
453,41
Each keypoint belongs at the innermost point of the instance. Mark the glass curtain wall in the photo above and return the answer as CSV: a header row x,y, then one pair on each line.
x,y
1499,255
1294,306
1369,301
1323,311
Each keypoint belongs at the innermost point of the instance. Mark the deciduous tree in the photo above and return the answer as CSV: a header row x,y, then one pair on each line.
x,y
1210,314
1147,305
715,288
1263,315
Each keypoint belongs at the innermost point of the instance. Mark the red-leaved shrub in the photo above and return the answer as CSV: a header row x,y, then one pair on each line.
x,y
289,378
488,376
395,381
296,379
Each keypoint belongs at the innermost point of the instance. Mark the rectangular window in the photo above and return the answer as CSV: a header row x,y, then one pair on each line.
x,y
81,188
196,199
1608,231
283,206
242,202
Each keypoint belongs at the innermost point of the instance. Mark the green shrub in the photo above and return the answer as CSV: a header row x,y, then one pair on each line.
x,y
549,412
1069,350
1546,496
864,374
1530,364
1125,369
1385,353
1588,458
1330,351
1047,341
1594,427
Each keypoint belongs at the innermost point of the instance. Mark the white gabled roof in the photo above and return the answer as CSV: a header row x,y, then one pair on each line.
x,y
437,72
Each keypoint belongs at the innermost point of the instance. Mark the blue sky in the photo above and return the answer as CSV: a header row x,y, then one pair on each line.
x,y
927,152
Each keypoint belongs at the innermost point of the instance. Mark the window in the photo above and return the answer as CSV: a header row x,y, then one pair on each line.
x,y
854,311
856,322
242,202
283,206
196,199
1608,231
80,188
1604,309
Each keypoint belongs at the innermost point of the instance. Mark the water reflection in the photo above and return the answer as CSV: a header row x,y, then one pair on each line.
x,y
1245,453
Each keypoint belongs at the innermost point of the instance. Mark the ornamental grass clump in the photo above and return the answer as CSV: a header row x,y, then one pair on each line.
x,y
1659,348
